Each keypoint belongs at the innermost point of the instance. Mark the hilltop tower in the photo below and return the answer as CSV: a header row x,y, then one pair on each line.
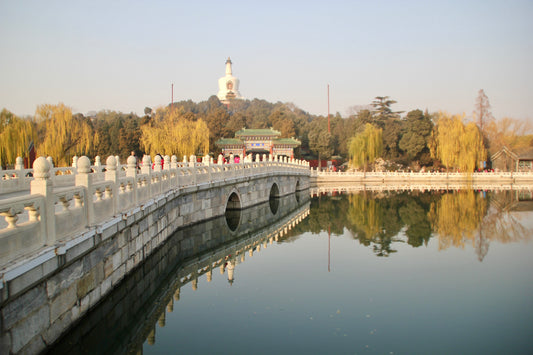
x,y
228,86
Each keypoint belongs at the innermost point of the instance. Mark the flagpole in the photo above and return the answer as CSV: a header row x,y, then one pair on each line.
x,y
329,128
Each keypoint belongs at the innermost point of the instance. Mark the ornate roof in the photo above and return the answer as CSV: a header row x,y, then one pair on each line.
x,y
268,133
289,141
258,132
228,141
504,151
526,155
523,155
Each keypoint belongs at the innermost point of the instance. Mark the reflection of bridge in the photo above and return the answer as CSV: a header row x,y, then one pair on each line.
x,y
70,235
184,261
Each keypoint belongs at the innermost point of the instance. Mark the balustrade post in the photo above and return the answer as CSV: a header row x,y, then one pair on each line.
x,y
85,178
19,165
75,161
146,169
166,173
174,166
98,164
157,163
192,164
220,160
174,162
111,174
131,171
42,185
158,172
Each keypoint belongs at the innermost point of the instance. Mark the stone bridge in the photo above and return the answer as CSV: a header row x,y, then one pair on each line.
x,y
70,235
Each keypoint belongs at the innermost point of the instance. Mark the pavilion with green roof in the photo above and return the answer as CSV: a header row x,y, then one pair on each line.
x,y
258,141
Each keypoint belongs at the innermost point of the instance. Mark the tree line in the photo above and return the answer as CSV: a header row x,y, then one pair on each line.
x,y
416,139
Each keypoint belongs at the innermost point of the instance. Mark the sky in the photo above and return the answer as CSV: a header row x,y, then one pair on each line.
x,y
125,55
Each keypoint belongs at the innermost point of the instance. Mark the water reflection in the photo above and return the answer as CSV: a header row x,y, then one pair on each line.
x,y
129,315
382,219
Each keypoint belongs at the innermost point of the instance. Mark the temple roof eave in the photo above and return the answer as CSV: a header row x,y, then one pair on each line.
x,y
267,132
287,141
229,141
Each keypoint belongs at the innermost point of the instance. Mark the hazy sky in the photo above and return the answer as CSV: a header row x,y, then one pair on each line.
x,y
124,55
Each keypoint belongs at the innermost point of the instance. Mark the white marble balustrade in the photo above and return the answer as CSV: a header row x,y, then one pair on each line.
x,y
46,205
399,175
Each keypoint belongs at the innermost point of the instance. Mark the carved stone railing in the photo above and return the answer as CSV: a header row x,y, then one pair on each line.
x,y
63,202
426,176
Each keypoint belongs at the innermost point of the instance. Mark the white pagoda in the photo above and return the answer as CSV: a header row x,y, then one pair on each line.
x,y
228,86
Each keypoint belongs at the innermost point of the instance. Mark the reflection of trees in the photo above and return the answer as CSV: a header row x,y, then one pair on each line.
x,y
456,217
416,220
374,218
374,221
466,215
327,213
501,224
377,219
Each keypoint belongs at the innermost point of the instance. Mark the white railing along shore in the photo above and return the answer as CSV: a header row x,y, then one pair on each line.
x,y
46,205
390,175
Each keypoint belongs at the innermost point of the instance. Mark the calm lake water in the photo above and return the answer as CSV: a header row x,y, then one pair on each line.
x,y
365,273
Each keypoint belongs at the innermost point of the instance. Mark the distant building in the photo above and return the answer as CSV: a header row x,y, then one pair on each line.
x,y
506,160
525,161
258,141
228,86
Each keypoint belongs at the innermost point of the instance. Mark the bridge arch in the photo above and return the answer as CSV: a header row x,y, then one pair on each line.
x,y
273,198
274,190
297,191
233,210
234,201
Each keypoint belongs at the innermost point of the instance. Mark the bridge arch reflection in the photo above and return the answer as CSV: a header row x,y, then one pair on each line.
x,y
151,291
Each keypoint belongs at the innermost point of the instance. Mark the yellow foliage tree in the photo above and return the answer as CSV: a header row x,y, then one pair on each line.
x,y
366,146
365,213
169,132
456,217
16,135
62,136
455,144
510,132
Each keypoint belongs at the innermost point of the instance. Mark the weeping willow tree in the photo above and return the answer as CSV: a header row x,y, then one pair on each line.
x,y
457,217
457,145
366,146
16,134
62,136
369,218
170,132
365,213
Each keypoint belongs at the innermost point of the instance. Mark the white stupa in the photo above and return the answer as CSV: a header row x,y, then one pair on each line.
x,y
228,86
